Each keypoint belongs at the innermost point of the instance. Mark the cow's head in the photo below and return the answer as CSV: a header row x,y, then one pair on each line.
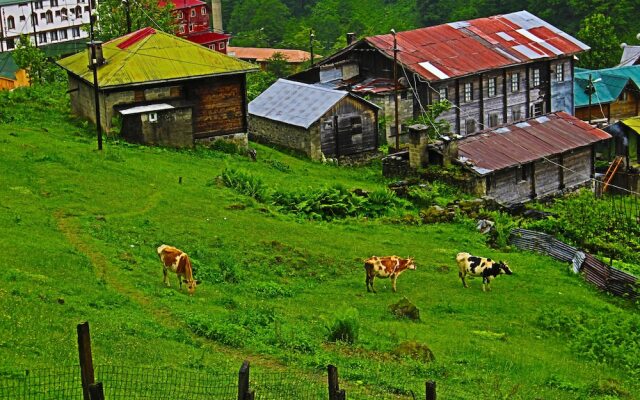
x,y
410,264
504,268
191,285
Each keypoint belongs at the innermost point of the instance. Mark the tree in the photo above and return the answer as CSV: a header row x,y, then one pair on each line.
x,y
31,59
259,22
278,65
112,17
597,31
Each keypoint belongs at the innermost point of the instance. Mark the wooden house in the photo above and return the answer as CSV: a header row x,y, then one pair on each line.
x,y
262,56
11,76
538,157
494,70
148,68
314,120
606,96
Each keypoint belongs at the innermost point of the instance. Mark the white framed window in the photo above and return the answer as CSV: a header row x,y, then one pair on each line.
x,y
11,44
222,45
53,35
153,117
180,15
54,3
468,92
536,77
537,109
491,87
34,19
181,29
442,94
63,34
38,4
190,27
11,23
624,95
560,72
193,12
515,82
78,12
203,11
75,31
42,37
49,17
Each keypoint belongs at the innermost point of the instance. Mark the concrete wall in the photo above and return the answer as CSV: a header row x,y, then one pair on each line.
x,y
173,128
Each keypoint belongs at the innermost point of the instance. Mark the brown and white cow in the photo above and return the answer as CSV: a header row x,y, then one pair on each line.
x,y
177,261
480,266
386,267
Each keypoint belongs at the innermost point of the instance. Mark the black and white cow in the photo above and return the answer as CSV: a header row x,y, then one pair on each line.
x,y
480,266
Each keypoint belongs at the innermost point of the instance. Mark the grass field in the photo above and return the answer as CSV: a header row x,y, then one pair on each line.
x,y
79,230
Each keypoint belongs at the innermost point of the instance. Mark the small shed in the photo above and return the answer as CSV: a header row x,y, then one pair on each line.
x,y
314,120
535,158
158,124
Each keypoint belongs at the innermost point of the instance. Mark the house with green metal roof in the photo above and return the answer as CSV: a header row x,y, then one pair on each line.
x,y
11,76
163,89
607,95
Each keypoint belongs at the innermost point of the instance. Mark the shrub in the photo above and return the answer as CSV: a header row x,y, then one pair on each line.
x,y
225,146
271,290
345,327
225,333
245,183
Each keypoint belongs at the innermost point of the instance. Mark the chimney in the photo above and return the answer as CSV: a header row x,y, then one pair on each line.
x,y
351,37
99,56
216,14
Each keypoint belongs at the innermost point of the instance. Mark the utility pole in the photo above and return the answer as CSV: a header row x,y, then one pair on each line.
x,y
127,9
94,66
311,36
589,90
395,87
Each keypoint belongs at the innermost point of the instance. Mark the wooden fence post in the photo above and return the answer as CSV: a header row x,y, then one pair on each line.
x,y
86,361
334,386
431,390
95,391
244,393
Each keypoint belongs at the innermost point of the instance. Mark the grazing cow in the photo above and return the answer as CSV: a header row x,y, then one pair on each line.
x,y
177,261
386,267
480,266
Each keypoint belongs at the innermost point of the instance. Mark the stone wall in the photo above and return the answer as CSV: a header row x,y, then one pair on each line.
x,y
306,141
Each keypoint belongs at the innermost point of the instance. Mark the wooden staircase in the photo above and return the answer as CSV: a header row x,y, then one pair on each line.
x,y
611,172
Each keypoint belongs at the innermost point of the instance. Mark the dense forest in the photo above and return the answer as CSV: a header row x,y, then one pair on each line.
x,y
602,24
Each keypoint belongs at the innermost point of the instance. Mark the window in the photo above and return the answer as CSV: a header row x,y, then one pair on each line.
x,y
78,12
87,9
537,109
493,119
180,15
356,125
153,117
75,31
11,44
38,5
11,23
63,14
470,126
523,172
404,95
536,77
54,3
560,72
43,16
63,34
53,35
34,19
491,87
23,18
49,17
442,94
42,37
222,45
468,92
203,10
57,13
190,27
515,82
193,12
516,114
181,28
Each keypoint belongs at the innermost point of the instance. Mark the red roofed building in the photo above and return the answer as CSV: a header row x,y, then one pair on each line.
x,y
494,70
193,24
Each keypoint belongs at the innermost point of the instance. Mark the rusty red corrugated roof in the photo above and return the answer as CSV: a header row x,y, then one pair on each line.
x,y
526,141
467,47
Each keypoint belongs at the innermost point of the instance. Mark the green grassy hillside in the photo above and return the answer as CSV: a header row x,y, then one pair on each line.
x,y
79,228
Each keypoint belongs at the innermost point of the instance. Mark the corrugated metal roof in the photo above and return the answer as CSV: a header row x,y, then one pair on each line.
x,y
207,37
263,54
147,108
516,144
608,83
155,57
633,123
468,47
296,103
630,55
